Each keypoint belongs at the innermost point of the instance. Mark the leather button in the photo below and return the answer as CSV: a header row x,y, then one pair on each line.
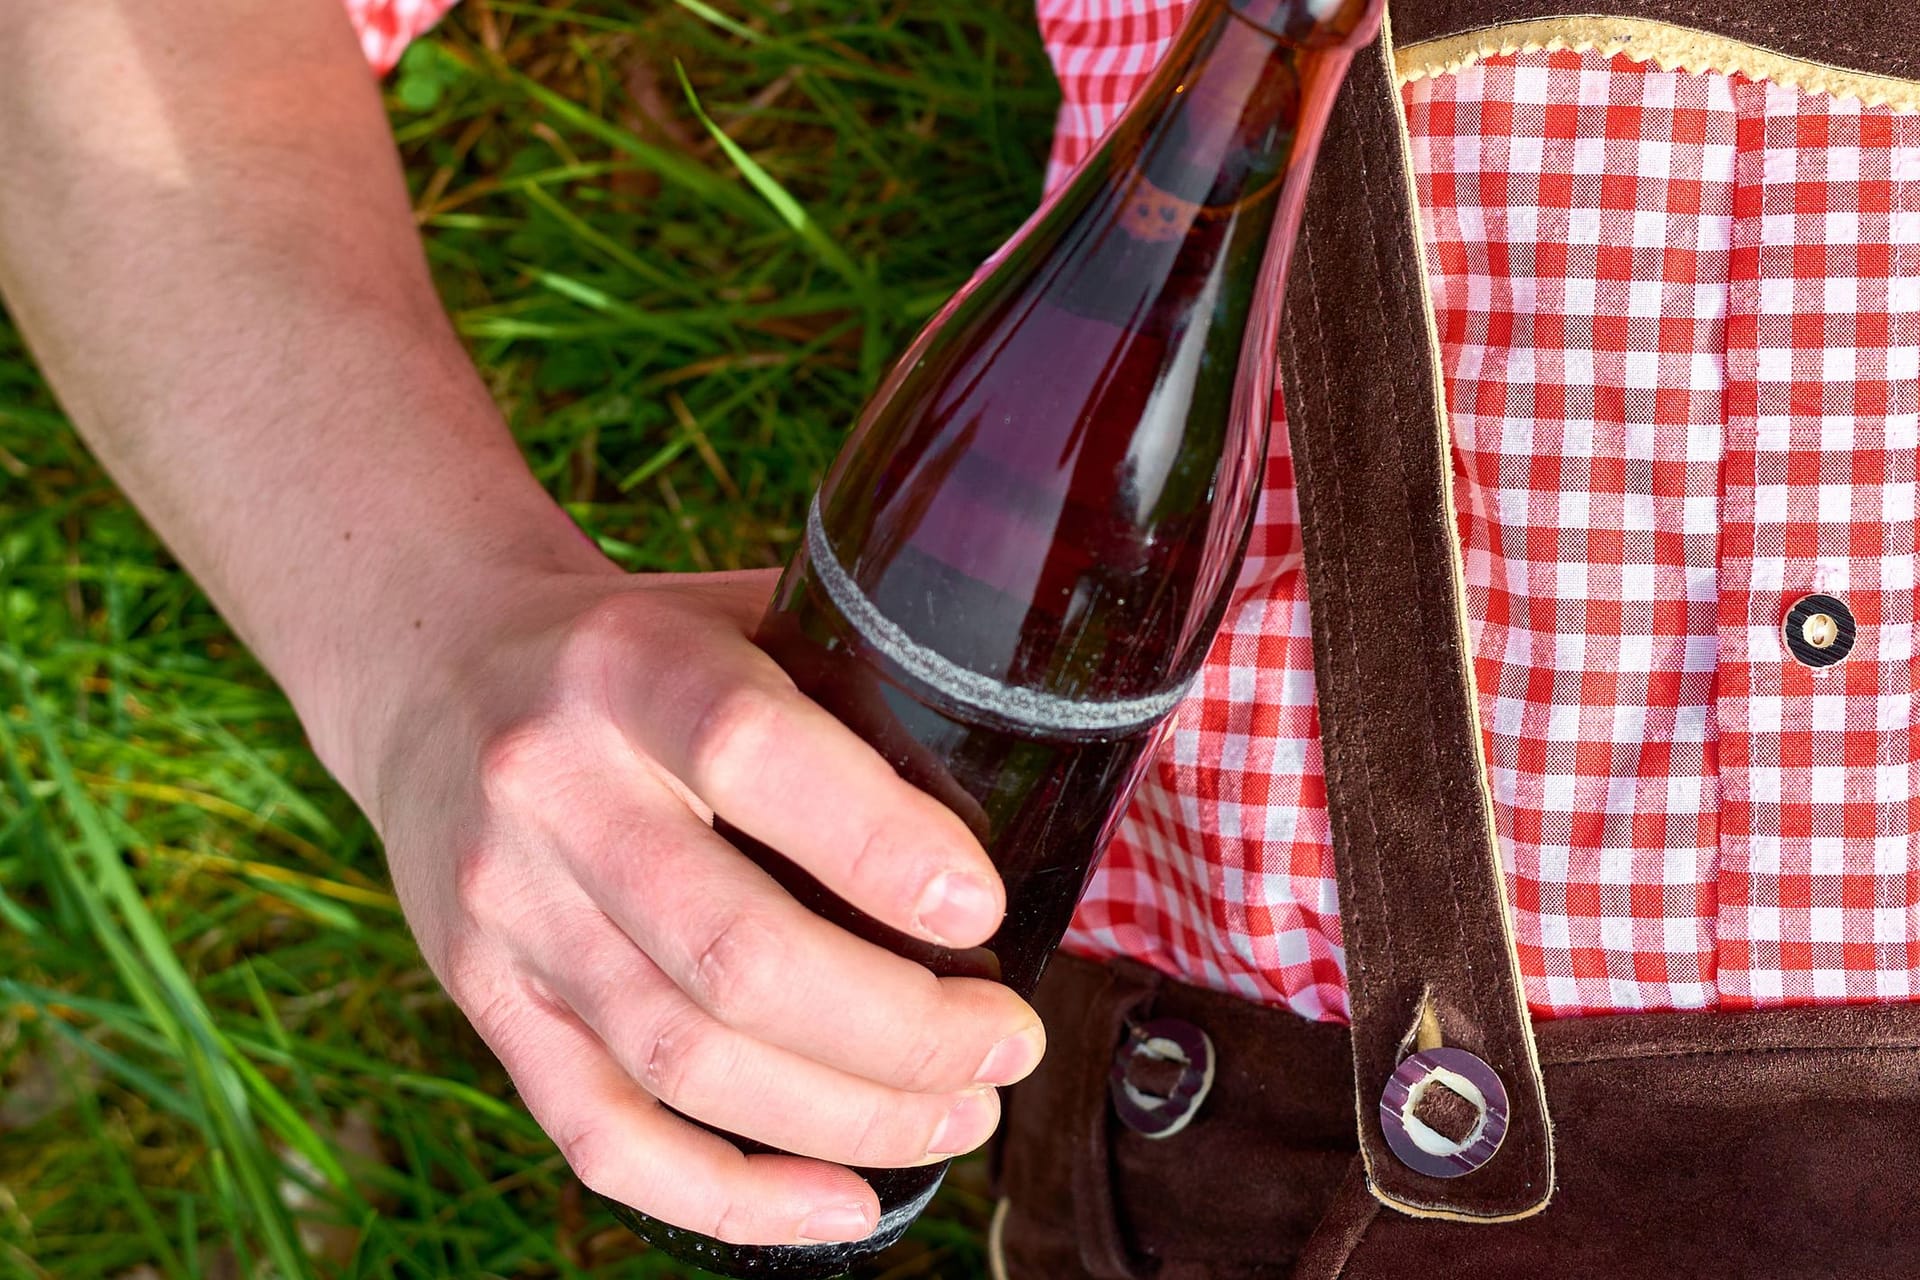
x,y
1161,1074
1458,1093
1818,630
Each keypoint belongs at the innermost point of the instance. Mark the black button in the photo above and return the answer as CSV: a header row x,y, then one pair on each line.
x,y
1819,630
1161,1074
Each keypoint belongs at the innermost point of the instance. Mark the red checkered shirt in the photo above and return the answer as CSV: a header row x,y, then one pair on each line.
x,y
1680,325
386,27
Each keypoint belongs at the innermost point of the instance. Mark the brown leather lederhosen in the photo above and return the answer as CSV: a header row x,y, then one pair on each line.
x,y
1777,1143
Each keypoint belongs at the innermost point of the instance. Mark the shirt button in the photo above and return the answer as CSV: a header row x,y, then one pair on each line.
x,y
1819,630
1444,1112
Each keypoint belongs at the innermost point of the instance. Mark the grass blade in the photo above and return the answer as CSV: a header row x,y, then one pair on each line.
x,y
790,210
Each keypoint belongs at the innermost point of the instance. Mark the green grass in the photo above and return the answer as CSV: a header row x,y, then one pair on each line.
x,y
220,1053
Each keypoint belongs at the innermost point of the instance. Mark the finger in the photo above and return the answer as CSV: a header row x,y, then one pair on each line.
x,y
681,1055
734,729
626,1146
759,962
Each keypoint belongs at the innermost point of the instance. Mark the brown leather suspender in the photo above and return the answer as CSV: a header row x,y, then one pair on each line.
x,y
1422,899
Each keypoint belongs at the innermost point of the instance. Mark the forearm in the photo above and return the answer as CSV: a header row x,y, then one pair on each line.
x,y
205,237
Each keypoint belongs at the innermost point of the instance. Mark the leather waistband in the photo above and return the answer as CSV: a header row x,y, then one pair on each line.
x,y
1774,1143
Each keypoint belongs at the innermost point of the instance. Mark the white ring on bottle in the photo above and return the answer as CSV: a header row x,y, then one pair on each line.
x,y
1026,708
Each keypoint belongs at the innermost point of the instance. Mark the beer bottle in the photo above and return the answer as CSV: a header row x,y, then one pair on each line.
x,y
1017,563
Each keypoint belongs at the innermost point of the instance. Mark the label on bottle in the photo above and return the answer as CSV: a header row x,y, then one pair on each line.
x,y
1031,709
1156,215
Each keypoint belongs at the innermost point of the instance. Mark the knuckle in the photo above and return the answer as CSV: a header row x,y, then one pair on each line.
x,y
505,1013
881,860
736,969
462,965
497,892
671,1068
493,1014
882,1141
520,765
602,631
594,1157
732,737
926,1064
483,877
734,1223
597,650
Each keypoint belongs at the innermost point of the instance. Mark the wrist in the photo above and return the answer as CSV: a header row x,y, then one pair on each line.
x,y
417,630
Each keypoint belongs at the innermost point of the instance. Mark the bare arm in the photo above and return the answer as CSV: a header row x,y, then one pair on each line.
x,y
205,237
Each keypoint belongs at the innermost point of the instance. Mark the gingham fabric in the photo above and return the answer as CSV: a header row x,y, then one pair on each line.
x,y
1680,324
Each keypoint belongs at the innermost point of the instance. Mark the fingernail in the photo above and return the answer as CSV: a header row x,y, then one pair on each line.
x,y
1013,1058
961,1130
958,906
840,1223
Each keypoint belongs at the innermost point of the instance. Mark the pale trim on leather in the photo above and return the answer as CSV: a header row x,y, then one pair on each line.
x,y
1490,845
1665,45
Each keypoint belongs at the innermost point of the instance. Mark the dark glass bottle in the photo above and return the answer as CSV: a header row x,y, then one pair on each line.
x,y
1019,560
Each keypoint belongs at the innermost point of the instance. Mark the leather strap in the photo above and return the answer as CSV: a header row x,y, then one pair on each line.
x,y
1423,908
1760,1143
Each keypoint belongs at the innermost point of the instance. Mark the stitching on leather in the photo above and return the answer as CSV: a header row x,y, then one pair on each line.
x,y
1368,1144
1331,536
1352,737
1737,24
1384,124
1363,177
1336,537
1720,1051
1513,1009
1336,759
1504,946
1366,768
1393,261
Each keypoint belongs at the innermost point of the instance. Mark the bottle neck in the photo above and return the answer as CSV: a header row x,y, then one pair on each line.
x,y
1219,126
1226,99
1314,23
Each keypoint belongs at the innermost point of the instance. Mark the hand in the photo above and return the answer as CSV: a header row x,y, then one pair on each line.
x,y
546,807
537,737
